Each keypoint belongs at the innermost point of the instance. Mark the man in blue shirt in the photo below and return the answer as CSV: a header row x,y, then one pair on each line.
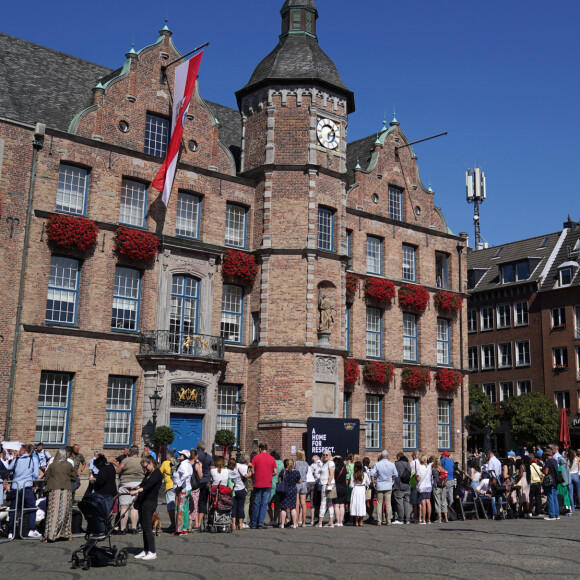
x,y
449,466
25,468
384,471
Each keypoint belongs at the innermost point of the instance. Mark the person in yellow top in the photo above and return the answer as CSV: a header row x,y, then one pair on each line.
x,y
167,468
536,476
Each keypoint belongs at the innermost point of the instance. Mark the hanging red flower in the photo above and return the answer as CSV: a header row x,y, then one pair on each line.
x,y
448,379
352,281
71,232
379,289
239,266
136,244
413,298
378,373
351,371
415,378
450,302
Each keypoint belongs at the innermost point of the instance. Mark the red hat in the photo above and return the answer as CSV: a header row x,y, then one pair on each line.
x,y
445,454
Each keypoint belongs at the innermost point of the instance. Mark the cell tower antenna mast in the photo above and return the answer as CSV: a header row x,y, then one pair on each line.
x,y
476,193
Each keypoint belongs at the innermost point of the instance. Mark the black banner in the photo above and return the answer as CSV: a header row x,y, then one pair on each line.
x,y
339,436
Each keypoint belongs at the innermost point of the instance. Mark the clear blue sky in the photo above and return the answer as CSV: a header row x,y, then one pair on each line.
x,y
501,76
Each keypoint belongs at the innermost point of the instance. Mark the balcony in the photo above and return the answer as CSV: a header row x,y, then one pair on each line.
x,y
170,343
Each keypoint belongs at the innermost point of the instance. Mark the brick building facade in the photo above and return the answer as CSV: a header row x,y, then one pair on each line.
x,y
524,322
99,332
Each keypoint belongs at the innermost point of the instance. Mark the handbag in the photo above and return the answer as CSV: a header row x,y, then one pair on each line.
x,y
195,481
332,494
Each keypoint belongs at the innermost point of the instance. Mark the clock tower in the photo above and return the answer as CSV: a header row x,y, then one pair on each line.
x,y
295,116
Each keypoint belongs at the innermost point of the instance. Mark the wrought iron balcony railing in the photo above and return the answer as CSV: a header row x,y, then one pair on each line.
x,y
168,342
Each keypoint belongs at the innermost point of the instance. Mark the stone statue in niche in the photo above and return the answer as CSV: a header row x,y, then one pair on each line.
x,y
325,310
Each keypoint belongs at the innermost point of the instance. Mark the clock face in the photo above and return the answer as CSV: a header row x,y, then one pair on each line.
x,y
328,133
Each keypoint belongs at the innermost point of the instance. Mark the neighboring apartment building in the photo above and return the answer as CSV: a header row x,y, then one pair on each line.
x,y
523,321
101,335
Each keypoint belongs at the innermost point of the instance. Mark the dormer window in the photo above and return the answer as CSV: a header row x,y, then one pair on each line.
x,y
566,273
515,272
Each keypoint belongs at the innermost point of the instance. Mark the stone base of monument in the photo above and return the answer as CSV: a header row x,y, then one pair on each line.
x,y
324,338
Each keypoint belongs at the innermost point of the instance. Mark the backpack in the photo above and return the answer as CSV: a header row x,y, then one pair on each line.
x,y
442,479
195,481
406,475
173,465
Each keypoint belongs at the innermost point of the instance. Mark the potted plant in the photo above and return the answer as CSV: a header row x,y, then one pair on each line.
x,y
413,297
378,373
137,245
379,290
71,232
351,372
415,378
449,302
448,379
225,439
352,281
161,438
239,266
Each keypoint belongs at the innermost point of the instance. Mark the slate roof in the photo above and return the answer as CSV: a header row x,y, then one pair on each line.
x,y
297,58
489,260
565,253
305,3
44,85
47,86
360,151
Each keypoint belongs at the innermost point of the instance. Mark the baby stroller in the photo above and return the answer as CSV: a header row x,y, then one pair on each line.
x,y
95,509
219,517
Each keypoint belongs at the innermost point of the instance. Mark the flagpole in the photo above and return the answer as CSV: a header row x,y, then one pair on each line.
x,y
166,66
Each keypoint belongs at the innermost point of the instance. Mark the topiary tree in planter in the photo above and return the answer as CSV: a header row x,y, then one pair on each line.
x,y
161,438
225,439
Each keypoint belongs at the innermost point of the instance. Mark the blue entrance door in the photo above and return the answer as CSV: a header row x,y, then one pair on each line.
x,y
187,429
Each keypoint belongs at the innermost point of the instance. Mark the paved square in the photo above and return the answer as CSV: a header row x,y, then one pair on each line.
x,y
512,549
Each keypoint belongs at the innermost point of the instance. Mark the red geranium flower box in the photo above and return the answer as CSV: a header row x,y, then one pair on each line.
x,y
136,244
239,266
71,232
378,373
415,378
352,281
448,379
379,289
414,298
351,371
450,302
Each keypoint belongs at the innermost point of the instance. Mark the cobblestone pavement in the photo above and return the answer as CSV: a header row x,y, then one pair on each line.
x,y
484,549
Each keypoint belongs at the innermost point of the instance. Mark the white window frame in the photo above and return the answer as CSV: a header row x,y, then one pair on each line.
x,y
562,399
521,314
502,386
488,389
53,408
472,320
236,225
521,390
486,313
325,238
188,215
560,356
395,203
522,348
561,278
487,357
503,316
71,193
409,263
132,210
473,358
558,317
504,355
374,253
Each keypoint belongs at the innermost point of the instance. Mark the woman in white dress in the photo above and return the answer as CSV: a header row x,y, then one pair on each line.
x,y
359,483
424,486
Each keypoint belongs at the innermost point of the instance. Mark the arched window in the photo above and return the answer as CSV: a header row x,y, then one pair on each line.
x,y
183,318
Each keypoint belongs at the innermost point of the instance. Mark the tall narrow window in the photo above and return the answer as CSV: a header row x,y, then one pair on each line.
x,y
524,387
522,353
506,390
227,415
53,408
487,357
346,406
255,328
442,341
63,284
409,263
187,223
441,270
560,357
236,225
487,318
373,421
409,337
119,414
232,311
374,332
374,257
325,229
183,317
347,328
504,355
395,203
472,321
409,423
444,424
558,318
349,248
126,299
489,390
71,193
156,135
503,315
562,399
472,358
576,321
521,313
133,203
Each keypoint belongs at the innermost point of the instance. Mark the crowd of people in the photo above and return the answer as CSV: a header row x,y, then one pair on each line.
x,y
338,491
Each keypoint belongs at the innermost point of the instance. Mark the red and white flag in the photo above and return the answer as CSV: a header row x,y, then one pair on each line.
x,y
185,77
